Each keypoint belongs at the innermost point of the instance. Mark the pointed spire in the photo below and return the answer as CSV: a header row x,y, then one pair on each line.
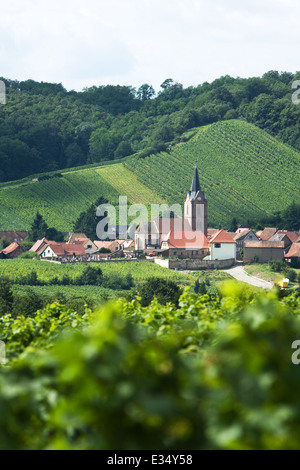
x,y
196,182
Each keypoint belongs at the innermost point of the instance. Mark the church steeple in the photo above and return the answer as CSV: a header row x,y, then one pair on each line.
x,y
196,182
195,208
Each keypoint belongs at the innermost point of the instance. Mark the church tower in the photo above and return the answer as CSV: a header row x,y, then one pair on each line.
x,y
195,207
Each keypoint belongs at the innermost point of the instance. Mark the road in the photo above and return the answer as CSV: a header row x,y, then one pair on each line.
x,y
239,273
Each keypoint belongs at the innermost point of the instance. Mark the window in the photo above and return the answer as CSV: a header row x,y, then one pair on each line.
x,y
218,245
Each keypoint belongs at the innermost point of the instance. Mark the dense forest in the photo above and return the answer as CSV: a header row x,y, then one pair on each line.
x,y
44,127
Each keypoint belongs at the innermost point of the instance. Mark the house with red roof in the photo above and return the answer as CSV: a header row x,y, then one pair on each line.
x,y
12,251
62,250
292,255
266,234
40,244
222,246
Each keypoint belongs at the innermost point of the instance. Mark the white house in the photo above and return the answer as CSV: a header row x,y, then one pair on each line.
x,y
222,246
65,250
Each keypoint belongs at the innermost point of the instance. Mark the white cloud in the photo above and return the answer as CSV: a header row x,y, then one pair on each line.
x,y
137,41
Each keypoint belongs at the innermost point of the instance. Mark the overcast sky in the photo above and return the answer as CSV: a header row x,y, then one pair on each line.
x,y
131,42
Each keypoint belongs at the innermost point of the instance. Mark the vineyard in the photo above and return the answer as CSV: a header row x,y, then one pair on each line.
x,y
211,374
140,270
245,172
61,200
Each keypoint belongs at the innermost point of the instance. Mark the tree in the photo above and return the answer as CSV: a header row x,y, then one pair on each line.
x,y
123,150
38,228
291,217
234,225
91,276
87,221
4,243
6,296
167,83
145,92
54,235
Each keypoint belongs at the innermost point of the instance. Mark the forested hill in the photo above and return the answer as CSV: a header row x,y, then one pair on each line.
x,y
44,127
247,175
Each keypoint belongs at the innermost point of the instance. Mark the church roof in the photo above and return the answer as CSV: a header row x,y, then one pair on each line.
x,y
188,240
196,187
196,182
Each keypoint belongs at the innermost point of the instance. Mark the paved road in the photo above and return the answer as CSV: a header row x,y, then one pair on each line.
x,y
239,273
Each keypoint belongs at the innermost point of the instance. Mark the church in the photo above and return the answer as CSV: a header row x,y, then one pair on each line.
x,y
179,238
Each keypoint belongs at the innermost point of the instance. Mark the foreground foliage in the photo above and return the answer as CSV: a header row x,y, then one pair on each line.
x,y
209,374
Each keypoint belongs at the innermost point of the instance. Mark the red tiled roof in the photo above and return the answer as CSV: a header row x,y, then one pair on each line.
x,y
211,232
37,245
241,233
293,236
108,245
17,235
222,237
40,244
232,235
267,233
264,244
189,239
294,251
77,238
61,249
11,248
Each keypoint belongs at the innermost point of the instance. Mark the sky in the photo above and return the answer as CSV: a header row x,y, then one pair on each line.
x,y
132,42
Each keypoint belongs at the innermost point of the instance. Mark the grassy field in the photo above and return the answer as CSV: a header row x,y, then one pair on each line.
x,y
263,271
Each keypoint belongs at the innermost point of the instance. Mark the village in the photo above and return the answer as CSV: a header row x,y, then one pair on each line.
x,y
171,242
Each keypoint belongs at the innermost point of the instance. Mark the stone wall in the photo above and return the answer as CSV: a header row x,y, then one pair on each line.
x,y
194,264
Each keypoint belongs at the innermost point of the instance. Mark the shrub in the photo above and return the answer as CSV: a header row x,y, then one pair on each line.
x,y
165,291
27,303
28,255
290,274
105,251
277,266
117,282
91,276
